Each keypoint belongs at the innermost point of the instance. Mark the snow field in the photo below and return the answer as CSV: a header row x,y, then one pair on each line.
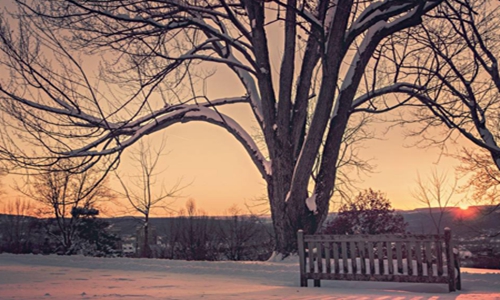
x,y
79,277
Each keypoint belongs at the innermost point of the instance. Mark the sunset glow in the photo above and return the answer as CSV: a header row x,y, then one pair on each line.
x,y
245,149
218,172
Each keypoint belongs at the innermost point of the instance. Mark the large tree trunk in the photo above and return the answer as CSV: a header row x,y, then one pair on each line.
x,y
290,212
287,218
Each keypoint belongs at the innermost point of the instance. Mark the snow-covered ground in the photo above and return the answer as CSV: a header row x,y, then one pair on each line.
x,y
78,277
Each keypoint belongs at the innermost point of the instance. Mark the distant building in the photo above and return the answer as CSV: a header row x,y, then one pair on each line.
x,y
129,246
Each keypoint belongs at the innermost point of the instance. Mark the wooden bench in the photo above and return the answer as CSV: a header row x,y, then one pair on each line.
x,y
385,257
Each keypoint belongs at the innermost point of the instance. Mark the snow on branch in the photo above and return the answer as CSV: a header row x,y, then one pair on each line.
x,y
215,117
128,134
360,52
171,108
378,11
384,11
242,71
311,203
382,91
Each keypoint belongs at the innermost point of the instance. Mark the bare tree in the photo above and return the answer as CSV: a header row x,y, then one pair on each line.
x,y
142,190
197,239
483,176
241,235
64,197
483,182
449,65
350,165
436,192
324,69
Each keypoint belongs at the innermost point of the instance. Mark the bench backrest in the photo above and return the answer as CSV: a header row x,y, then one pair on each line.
x,y
385,257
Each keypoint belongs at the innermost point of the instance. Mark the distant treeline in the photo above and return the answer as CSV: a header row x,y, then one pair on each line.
x,y
201,237
183,237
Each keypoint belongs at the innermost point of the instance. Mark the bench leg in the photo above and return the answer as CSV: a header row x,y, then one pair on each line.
x,y
317,283
303,281
451,285
458,280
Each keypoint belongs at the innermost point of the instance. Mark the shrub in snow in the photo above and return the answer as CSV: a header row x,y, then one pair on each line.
x,y
369,213
95,239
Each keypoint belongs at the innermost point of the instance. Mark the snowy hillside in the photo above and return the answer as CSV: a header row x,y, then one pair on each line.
x,y
78,277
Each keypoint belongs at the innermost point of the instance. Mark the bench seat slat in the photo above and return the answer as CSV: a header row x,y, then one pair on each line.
x,y
365,277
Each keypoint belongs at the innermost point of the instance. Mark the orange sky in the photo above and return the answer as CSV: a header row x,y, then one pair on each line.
x,y
222,175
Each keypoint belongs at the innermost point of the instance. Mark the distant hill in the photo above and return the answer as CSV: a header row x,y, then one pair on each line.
x,y
468,222
462,222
